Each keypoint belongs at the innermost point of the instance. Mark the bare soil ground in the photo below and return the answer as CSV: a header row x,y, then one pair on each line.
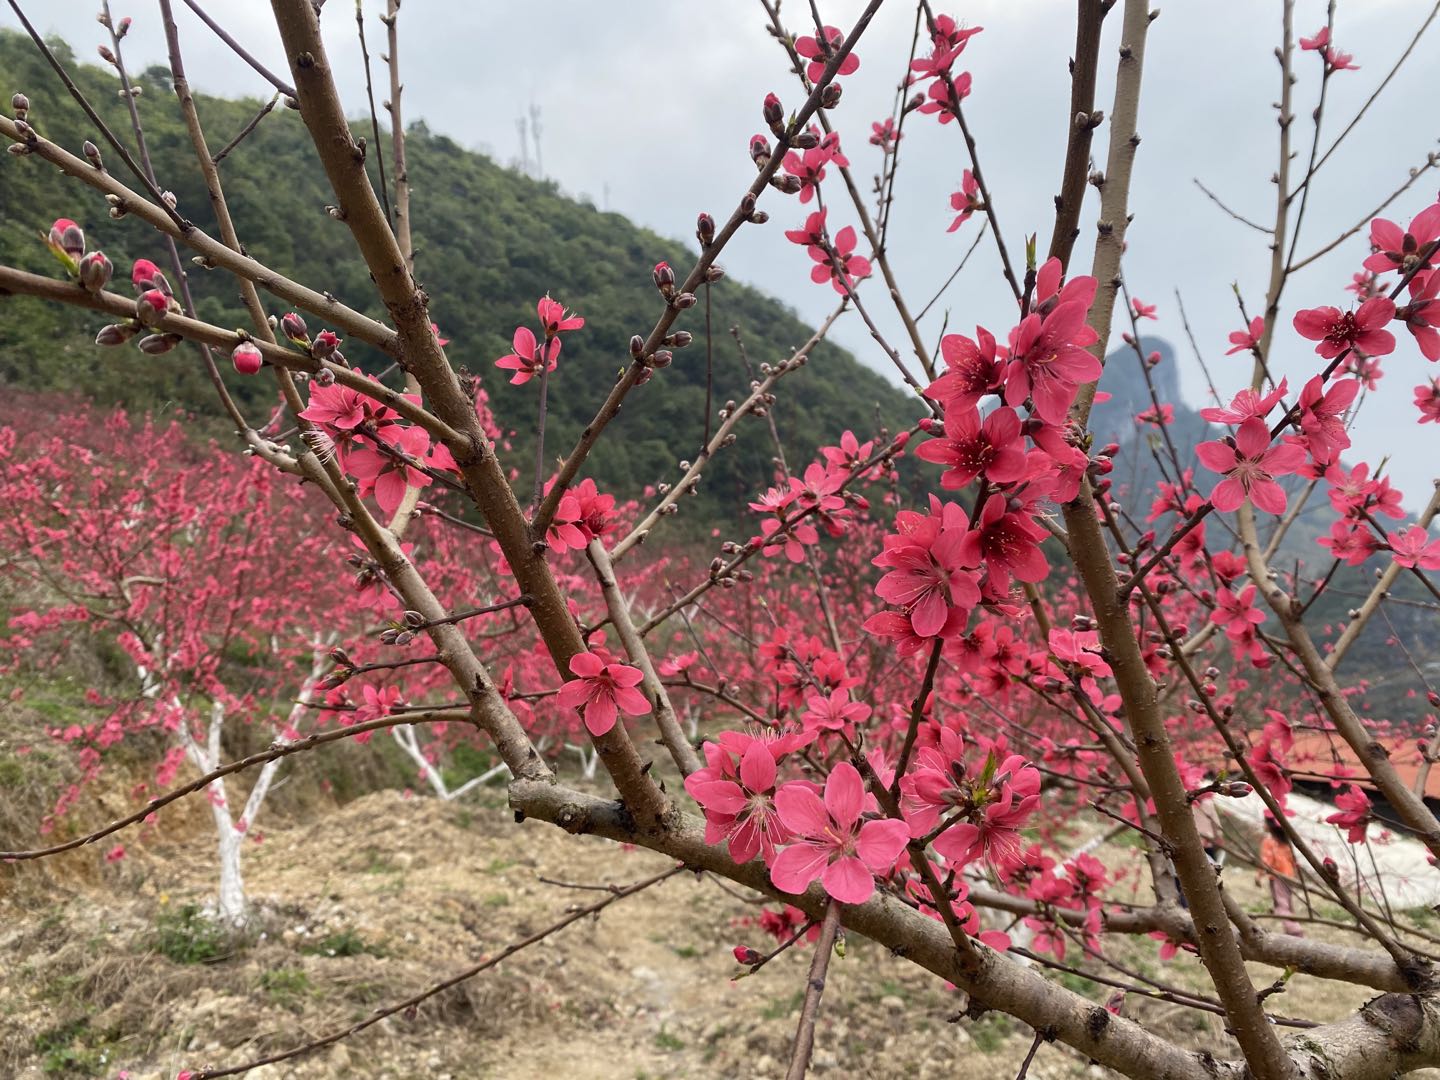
x,y
387,895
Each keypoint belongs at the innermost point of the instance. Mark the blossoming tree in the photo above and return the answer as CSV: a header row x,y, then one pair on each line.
x,y
873,744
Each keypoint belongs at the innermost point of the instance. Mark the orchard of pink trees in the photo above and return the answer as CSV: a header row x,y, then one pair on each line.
x,y
916,719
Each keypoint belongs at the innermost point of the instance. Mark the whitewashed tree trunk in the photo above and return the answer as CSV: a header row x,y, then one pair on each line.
x,y
231,903
409,742
589,760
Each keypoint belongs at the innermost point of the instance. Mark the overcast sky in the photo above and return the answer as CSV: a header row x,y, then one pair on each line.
x,y
647,108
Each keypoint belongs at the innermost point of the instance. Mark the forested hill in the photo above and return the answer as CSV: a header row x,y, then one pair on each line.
x,y
489,242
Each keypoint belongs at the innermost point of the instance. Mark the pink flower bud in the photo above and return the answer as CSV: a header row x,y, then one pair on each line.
x,y
123,27
66,236
21,104
151,306
95,271
774,114
324,345
705,230
830,96
760,150
115,334
158,344
295,329
106,54
744,954
663,277
246,358
143,274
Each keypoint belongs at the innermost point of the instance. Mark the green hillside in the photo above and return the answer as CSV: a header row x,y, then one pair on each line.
x,y
489,242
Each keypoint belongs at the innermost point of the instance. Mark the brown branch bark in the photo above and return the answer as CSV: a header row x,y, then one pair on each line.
x,y
421,354
1089,19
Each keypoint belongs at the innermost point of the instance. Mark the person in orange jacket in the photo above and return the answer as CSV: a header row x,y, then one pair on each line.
x,y
1277,861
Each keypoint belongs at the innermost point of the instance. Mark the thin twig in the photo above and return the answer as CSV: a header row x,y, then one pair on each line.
x,y
265,111
374,118
264,72
814,988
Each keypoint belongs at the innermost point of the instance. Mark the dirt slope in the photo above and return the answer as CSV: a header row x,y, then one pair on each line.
x,y
387,895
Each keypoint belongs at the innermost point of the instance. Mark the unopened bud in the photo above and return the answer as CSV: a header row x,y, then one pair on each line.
x,y
790,185
122,27
705,230
92,154
414,619
684,300
773,114
746,955
95,271
637,346
760,151
295,329
830,96
115,334
106,54
67,237
247,359
157,344
20,105
324,345
805,140
151,306
144,275
680,339
661,358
